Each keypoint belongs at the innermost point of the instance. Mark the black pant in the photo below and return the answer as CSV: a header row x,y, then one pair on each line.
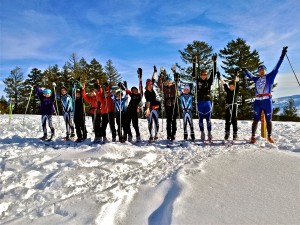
x,y
120,123
80,127
108,118
131,115
171,114
230,118
97,125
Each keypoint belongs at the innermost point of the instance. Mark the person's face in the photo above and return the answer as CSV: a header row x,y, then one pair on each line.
x,y
47,95
149,87
186,91
118,96
63,91
231,87
93,93
78,95
261,72
168,82
135,91
203,75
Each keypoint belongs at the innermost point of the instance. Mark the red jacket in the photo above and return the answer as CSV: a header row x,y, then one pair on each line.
x,y
107,104
94,102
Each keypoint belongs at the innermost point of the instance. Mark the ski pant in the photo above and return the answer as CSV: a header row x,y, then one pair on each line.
x,y
108,118
266,105
231,118
97,124
120,122
187,120
131,115
171,115
44,121
153,120
81,131
69,122
204,112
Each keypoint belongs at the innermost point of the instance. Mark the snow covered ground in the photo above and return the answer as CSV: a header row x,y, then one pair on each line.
x,y
113,184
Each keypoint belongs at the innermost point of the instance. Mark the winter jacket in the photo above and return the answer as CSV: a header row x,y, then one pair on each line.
x,y
47,103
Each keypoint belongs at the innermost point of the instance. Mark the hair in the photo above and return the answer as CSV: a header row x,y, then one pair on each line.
x,y
231,82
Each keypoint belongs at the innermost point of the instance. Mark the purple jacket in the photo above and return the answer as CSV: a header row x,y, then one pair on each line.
x,y
47,104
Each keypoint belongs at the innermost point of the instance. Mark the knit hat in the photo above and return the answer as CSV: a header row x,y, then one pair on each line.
x,y
262,67
186,86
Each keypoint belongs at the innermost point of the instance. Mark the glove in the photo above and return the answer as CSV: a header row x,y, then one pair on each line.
x,y
214,57
105,84
218,75
125,84
54,84
147,113
155,69
140,71
120,85
284,51
237,79
244,69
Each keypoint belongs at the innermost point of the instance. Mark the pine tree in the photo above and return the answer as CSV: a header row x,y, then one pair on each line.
x,y
34,79
237,54
112,75
3,105
14,85
95,72
290,110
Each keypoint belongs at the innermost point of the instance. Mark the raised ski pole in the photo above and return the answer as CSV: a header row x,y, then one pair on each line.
x,y
195,76
233,97
162,70
27,104
263,125
293,69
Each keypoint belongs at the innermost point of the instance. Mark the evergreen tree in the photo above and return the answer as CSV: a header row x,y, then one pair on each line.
x,y
14,85
112,75
95,72
237,54
199,51
290,110
34,79
3,105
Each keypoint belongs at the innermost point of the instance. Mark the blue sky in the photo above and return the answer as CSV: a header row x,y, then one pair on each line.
x,y
137,33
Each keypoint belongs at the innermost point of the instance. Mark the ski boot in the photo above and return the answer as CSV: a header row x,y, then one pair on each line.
x,y
129,138
253,139
226,136
235,137
185,136
271,140
193,137
44,137
72,134
209,136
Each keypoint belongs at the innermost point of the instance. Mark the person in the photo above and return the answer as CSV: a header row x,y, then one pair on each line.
x,y
120,108
107,111
131,114
231,89
169,90
152,107
67,107
47,98
204,105
95,110
79,116
186,103
263,97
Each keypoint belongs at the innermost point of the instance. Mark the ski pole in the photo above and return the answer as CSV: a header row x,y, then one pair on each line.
x,y
10,110
231,112
57,112
27,104
292,69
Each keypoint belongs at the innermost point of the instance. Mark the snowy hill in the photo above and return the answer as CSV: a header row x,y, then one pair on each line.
x,y
119,184
283,101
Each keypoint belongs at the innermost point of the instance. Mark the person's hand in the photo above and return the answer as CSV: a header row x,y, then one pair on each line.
x,y
237,79
54,84
125,84
154,69
214,57
147,113
284,51
83,85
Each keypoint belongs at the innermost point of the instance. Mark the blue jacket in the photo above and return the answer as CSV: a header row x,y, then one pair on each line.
x,y
264,85
47,104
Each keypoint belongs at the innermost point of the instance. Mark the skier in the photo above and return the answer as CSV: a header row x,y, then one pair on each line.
x,y
263,97
107,111
120,108
231,89
152,107
186,103
204,101
67,106
170,106
95,110
131,114
47,98
79,116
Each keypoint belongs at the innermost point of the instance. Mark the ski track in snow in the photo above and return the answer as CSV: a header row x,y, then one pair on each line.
x,y
41,179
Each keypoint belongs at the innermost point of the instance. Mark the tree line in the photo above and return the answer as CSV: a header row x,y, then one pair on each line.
x,y
236,54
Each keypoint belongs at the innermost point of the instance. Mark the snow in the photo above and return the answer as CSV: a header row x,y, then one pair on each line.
x,y
112,184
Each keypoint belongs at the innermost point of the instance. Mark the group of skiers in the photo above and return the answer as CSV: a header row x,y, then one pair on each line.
x,y
107,107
